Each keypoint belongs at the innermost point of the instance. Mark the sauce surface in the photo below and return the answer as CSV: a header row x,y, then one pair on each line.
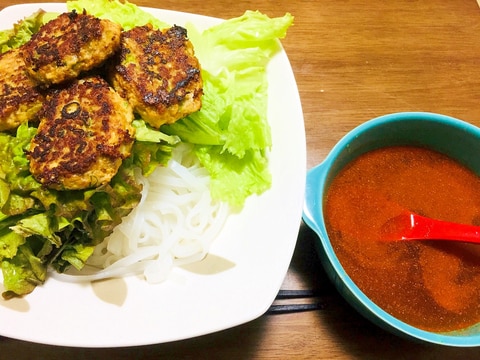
x,y
431,285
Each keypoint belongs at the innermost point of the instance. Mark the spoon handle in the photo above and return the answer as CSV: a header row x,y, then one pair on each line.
x,y
411,226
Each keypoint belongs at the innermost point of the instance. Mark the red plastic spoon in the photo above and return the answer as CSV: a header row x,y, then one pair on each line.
x,y
411,226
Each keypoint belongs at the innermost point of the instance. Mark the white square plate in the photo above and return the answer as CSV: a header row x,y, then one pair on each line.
x,y
235,284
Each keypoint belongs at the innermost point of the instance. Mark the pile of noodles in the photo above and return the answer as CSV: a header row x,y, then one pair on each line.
x,y
174,224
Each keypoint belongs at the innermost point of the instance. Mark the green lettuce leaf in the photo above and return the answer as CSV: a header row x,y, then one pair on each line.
x,y
234,179
241,43
40,227
124,13
38,224
23,30
9,243
22,273
152,148
231,131
143,132
77,255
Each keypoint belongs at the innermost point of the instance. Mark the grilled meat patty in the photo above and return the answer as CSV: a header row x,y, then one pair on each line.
x,y
84,133
19,98
69,45
158,73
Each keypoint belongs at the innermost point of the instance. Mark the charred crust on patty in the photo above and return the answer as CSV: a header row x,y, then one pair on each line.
x,y
68,46
84,134
157,71
85,125
20,99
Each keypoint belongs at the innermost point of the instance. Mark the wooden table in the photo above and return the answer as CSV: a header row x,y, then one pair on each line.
x,y
353,60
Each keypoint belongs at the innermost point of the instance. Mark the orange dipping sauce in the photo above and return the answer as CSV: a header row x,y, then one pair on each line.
x,y
434,286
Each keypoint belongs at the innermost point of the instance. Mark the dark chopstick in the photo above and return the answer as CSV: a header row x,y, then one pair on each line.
x,y
292,308
295,294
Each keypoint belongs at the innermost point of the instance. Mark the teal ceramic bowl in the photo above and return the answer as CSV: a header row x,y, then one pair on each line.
x,y
456,138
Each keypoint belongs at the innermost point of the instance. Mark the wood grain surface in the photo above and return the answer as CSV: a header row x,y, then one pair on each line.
x,y
353,60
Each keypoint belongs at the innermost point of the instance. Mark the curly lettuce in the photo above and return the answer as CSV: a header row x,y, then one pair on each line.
x,y
125,13
41,227
231,133
23,30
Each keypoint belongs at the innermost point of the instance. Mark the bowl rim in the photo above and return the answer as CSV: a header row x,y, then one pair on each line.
x,y
316,184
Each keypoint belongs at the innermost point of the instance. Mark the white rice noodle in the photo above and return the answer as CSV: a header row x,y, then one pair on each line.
x,y
174,224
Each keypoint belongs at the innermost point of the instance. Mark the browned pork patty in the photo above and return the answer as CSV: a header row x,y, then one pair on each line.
x,y
19,98
84,134
68,45
158,73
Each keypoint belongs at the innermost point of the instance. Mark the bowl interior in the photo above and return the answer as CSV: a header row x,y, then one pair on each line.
x,y
452,137
455,138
